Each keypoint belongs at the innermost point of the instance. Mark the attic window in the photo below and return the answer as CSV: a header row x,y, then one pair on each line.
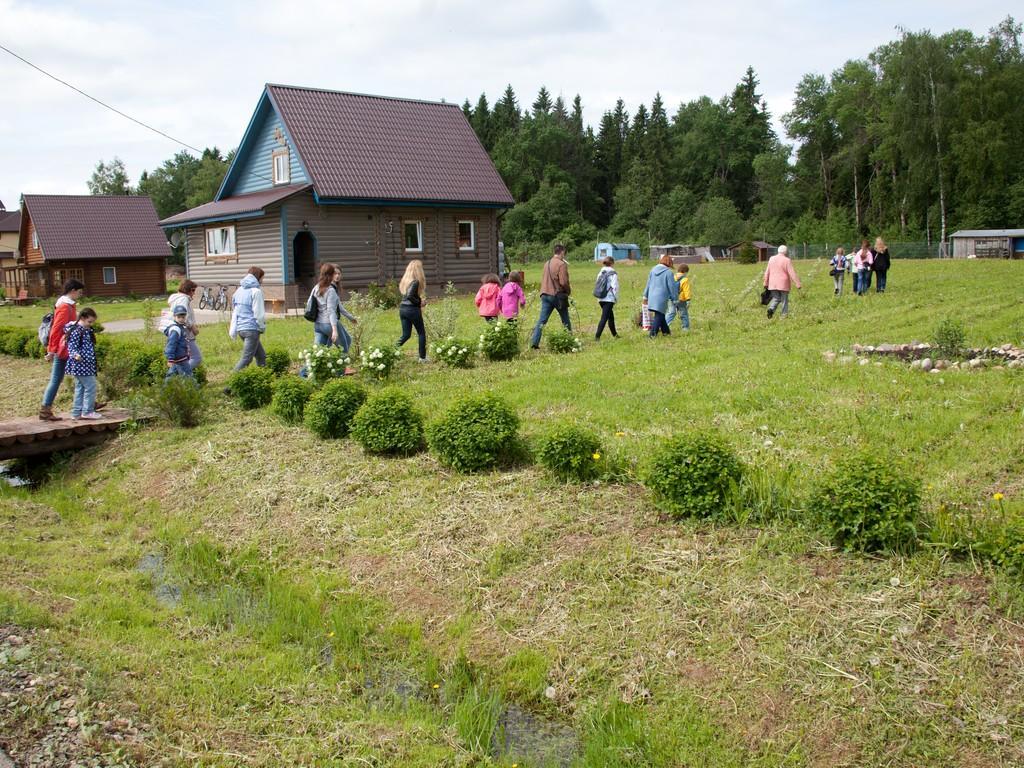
x,y
467,236
35,238
282,167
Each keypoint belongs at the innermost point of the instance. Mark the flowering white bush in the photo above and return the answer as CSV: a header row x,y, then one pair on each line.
x,y
378,361
324,363
562,341
500,340
454,352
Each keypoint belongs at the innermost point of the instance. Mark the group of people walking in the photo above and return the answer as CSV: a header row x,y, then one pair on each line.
x,y
861,262
71,347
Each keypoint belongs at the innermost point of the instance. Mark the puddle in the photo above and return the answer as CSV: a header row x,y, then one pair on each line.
x,y
528,738
9,475
167,595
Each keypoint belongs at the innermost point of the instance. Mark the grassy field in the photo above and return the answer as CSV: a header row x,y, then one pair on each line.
x,y
310,605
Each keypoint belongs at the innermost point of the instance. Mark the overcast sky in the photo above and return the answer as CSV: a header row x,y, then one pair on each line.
x,y
196,69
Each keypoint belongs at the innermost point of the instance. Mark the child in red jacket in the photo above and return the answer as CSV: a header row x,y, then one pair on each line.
x,y
65,312
487,297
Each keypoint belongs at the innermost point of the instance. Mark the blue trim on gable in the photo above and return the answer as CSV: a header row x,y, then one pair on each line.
x,y
284,245
243,147
404,203
291,141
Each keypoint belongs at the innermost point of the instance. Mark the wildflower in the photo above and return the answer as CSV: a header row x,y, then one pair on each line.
x,y
620,434
435,686
330,634
998,496
596,456
380,367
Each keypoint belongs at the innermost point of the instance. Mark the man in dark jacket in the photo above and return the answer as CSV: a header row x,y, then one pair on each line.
x,y
554,293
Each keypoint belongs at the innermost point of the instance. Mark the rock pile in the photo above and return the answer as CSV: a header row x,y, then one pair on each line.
x,y
927,357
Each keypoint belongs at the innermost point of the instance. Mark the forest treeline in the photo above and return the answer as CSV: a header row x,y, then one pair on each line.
x,y
923,136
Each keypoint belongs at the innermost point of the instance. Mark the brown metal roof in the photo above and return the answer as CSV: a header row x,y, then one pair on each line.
x,y
96,227
234,206
360,147
10,221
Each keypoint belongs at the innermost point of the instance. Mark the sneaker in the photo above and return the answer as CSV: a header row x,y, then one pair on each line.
x,y
770,313
93,415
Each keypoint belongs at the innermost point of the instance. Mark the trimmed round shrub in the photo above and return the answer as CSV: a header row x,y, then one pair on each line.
x,y
278,360
500,340
868,504
252,387
691,476
290,397
570,452
476,433
562,340
15,341
388,423
330,411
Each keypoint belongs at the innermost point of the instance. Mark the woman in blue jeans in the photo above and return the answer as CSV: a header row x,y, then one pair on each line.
x,y
327,328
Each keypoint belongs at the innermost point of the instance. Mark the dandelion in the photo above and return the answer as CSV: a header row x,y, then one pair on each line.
x,y
997,497
330,634
435,686
620,434
596,456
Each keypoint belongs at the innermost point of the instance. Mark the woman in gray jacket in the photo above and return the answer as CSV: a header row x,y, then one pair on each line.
x,y
327,328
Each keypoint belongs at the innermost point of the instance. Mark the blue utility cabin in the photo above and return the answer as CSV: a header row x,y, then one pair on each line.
x,y
618,251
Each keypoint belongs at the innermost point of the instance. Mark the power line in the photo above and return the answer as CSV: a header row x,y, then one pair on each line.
x,y
98,101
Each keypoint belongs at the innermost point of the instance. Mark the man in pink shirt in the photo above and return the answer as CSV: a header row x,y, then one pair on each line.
x,y
779,277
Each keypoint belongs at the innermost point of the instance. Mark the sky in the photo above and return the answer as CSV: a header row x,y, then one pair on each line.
x,y
195,70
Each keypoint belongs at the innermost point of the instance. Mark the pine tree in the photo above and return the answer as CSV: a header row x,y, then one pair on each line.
x,y
542,104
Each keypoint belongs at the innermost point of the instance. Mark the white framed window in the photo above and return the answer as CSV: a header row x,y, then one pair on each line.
x,y
282,167
35,238
110,275
220,241
467,236
413,231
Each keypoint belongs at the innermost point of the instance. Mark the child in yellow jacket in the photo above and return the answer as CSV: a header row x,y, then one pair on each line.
x,y
681,306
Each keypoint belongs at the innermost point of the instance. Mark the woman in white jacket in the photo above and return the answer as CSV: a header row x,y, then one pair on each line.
x,y
607,285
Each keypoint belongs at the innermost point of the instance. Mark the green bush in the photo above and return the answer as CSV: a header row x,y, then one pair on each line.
x,y
949,337
378,362
384,296
867,503
278,360
570,452
561,341
33,348
475,433
500,340
455,353
253,386
180,400
324,363
201,377
747,254
1002,542
15,340
692,475
330,411
290,397
388,423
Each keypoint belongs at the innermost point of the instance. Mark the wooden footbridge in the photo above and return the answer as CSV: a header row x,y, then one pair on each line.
x,y
33,437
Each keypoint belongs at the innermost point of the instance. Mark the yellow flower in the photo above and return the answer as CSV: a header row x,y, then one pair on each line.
x,y
330,634
596,456
436,686
998,497
620,434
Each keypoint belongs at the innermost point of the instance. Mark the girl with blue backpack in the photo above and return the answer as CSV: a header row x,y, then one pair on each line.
x,y
606,291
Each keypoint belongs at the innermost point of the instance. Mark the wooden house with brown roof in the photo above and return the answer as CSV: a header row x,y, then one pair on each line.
x,y
112,243
366,182
10,223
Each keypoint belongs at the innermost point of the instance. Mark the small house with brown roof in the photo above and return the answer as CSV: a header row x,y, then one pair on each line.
x,y
10,223
366,182
112,243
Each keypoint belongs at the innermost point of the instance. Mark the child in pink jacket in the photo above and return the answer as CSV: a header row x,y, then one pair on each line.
x,y
512,299
487,297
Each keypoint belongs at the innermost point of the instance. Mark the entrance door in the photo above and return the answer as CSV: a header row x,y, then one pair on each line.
x,y
304,248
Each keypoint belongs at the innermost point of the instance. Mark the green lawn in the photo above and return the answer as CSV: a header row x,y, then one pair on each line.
x,y
320,586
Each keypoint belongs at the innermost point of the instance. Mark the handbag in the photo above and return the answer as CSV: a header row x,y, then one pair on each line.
x,y
312,307
833,272
766,297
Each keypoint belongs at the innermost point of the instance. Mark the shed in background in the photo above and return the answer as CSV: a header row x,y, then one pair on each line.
x,y
988,244
618,251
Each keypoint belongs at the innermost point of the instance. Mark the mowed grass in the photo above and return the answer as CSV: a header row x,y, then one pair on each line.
x,y
311,572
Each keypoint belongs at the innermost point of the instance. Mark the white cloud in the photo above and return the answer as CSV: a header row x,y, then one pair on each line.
x,y
195,69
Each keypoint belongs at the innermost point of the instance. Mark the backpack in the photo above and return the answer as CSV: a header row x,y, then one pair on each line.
x,y
602,285
44,329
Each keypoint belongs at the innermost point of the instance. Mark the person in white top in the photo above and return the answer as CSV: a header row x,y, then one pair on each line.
x,y
607,285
